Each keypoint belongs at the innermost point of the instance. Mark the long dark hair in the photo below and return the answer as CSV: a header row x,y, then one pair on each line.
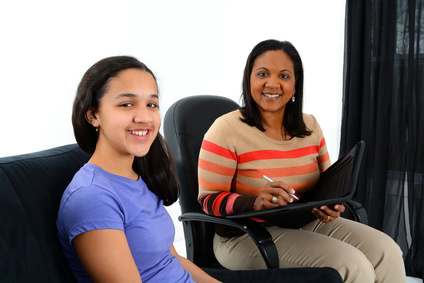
x,y
293,118
157,167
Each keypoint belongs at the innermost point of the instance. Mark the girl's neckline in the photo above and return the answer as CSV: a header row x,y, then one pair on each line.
x,y
103,171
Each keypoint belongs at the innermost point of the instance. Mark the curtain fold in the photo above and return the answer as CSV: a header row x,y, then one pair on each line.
x,y
383,104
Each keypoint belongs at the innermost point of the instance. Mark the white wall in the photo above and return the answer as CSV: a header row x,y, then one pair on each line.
x,y
193,46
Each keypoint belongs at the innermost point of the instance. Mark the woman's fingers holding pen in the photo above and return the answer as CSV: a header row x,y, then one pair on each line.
x,y
269,197
273,194
282,190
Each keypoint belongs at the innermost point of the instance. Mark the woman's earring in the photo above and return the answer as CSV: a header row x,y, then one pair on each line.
x,y
293,98
97,128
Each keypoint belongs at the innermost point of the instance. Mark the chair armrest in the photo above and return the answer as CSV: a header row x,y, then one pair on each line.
x,y
355,211
255,230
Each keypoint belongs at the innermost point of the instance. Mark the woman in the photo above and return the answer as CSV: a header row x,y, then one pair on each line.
x,y
271,136
112,223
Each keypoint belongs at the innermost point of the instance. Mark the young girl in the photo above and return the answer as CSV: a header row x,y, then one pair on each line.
x,y
112,224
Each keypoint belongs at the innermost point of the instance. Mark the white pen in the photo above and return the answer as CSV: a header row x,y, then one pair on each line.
x,y
271,180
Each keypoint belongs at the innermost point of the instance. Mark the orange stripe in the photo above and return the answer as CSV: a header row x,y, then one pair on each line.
x,y
219,150
230,203
213,186
302,186
256,191
322,143
215,168
281,172
248,189
323,158
205,203
217,203
277,154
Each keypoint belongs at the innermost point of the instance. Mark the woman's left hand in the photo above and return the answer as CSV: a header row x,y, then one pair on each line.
x,y
327,214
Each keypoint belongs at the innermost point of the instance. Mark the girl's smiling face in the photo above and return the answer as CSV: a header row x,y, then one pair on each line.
x,y
128,116
272,81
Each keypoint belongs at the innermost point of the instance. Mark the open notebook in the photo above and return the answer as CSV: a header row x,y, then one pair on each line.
x,y
336,186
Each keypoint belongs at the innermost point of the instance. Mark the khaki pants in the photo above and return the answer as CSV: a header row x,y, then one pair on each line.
x,y
358,252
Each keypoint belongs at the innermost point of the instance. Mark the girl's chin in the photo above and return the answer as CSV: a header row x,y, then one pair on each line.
x,y
140,153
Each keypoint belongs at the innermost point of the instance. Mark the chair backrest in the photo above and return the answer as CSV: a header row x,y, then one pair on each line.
x,y
31,186
185,124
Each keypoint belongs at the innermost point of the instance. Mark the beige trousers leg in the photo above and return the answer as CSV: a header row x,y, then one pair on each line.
x,y
358,252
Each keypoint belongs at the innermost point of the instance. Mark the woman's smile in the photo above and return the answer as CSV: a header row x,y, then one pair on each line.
x,y
271,95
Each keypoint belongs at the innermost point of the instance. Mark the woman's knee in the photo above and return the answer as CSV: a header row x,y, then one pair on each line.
x,y
385,256
389,265
357,268
382,248
389,246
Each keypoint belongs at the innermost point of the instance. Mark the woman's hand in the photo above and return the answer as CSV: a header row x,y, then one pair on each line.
x,y
327,214
273,194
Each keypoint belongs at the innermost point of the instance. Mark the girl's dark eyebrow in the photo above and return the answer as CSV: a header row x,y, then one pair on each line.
x,y
131,95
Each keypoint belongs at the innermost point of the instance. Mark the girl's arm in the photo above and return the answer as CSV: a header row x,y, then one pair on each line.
x,y
106,256
197,273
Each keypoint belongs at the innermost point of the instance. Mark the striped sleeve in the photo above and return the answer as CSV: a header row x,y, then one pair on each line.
x,y
224,203
323,157
217,167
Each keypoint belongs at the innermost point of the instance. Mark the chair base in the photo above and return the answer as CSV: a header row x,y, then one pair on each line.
x,y
286,275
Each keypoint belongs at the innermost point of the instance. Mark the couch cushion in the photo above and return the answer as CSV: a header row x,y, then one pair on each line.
x,y
31,186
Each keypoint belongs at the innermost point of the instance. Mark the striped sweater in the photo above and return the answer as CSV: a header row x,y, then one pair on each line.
x,y
234,157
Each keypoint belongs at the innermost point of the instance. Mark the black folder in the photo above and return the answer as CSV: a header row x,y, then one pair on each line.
x,y
336,185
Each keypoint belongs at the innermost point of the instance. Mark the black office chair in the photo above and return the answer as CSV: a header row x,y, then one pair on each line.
x,y
185,124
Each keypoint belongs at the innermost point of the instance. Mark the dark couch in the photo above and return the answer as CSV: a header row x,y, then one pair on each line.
x,y
31,186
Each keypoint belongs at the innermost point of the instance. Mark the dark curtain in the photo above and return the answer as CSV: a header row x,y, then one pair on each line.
x,y
383,104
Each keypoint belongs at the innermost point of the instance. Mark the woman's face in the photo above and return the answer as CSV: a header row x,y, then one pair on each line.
x,y
128,116
272,81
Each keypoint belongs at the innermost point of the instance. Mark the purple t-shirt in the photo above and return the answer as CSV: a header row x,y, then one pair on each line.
x,y
96,199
